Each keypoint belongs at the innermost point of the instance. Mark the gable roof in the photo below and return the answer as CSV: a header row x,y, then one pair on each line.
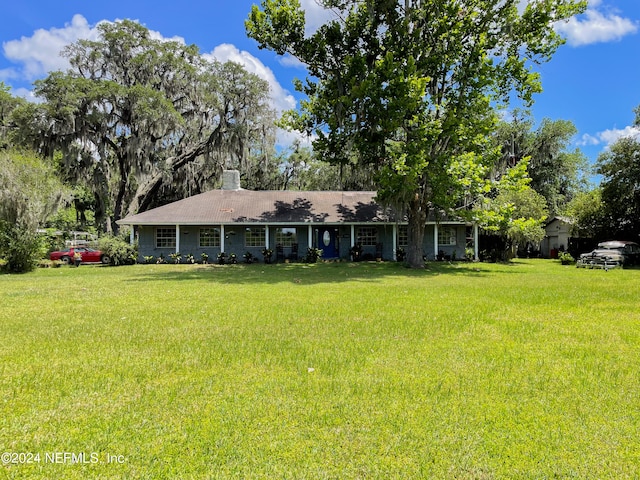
x,y
226,207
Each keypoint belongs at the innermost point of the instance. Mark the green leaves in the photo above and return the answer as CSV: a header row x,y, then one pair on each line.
x,y
620,168
29,193
411,88
513,208
29,189
280,26
134,111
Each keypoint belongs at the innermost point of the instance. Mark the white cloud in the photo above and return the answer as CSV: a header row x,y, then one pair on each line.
x,y
289,61
9,74
286,138
40,53
596,27
315,15
587,140
608,137
613,135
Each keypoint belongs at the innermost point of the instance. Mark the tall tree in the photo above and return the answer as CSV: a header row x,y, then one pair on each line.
x,y
304,171
8,103
587,213
137,117
556,173
409,86
512,209
620,188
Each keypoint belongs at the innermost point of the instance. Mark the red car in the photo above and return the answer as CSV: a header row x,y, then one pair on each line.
x,y
88,255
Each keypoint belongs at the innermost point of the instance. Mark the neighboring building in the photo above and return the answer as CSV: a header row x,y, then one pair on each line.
x,y
233,220
557,238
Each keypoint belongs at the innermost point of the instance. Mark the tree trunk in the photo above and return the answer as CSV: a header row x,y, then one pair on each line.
x,y
118,206
100,211
417,216
141,199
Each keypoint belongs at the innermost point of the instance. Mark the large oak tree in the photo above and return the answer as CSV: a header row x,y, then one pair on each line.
x,y
137,118
411,86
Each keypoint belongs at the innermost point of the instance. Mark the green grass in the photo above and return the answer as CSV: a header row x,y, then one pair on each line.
x,y
467,371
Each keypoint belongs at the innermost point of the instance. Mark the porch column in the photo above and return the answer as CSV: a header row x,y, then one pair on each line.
x,y
475,242
310,236
132,235
394,244
266,236
177,238
221,238
353,235
435,240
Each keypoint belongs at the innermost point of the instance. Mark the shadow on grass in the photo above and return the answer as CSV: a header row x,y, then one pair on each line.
x,y
299,273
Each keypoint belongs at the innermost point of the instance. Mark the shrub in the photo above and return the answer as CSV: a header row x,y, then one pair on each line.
x,y
566,258
469,254
118,251
20,248
355,252
313,254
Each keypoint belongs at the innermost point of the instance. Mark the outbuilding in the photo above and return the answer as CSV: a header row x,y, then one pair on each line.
x,y
558,234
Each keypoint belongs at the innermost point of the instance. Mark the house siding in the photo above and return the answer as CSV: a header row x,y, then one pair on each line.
x,y
234,241
336,216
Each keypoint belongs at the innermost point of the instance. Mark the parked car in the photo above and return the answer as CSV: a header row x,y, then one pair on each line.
x,y
88,255
613,253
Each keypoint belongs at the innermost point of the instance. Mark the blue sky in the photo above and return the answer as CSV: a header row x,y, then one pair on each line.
x,y
592,81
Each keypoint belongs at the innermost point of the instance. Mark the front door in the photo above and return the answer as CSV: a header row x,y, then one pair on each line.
x,y
328,242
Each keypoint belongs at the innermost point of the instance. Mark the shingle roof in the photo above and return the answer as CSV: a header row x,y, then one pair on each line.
x,y
248,206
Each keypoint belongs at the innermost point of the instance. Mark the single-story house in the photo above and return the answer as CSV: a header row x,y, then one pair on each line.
x,y
558,233
234,220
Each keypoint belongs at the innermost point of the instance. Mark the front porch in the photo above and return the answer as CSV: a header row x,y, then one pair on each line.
x,y
291,241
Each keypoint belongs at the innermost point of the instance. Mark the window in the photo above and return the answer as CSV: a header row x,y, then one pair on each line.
x,y
447,236
286,236
403,235
166,237
209,237
367,236
254,237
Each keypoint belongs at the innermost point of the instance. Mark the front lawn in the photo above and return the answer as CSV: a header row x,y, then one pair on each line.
x,y
367,370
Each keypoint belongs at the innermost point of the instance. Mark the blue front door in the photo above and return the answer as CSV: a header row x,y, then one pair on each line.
x,y
328,242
